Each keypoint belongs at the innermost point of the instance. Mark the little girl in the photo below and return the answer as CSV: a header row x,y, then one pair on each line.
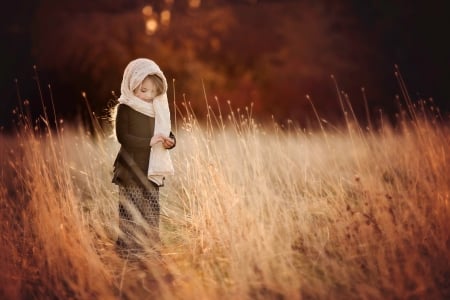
x,y
143,129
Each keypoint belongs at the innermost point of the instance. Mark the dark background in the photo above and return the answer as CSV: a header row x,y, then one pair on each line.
x,y
269,53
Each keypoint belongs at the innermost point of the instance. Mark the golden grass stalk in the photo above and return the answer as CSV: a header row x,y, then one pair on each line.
x,y
253,212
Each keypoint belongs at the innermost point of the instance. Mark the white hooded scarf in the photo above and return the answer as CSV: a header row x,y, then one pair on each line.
x,y
160,163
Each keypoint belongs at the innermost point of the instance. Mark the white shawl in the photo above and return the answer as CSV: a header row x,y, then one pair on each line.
x,y
160,164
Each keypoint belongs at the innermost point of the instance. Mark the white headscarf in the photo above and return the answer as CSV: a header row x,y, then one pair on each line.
x,y
160,163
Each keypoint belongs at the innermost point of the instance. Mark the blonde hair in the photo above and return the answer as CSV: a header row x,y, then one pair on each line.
x,y
157,81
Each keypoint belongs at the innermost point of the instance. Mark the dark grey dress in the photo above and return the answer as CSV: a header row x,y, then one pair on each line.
x,y
139,208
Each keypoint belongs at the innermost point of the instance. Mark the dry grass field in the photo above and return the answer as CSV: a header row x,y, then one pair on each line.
x,y
253,212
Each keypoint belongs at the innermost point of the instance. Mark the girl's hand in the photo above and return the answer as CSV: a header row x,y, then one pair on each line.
x,y
159,138
168,142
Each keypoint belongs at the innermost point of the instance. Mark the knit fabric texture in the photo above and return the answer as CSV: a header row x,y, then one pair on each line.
x,y
138,217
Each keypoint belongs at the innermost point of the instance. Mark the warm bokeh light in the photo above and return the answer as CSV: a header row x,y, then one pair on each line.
x,y
147,10
169,2
195,3
165,17
151,26
215,43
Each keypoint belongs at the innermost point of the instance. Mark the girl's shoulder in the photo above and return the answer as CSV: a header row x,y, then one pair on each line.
x,y
122,110
123,107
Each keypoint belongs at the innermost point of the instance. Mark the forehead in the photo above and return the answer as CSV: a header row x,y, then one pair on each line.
x,y
148,82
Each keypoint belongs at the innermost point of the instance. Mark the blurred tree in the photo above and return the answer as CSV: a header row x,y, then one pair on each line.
x,y
266,52
93,46
313,40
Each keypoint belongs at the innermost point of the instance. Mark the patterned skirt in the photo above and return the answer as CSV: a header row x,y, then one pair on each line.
x,y
138,217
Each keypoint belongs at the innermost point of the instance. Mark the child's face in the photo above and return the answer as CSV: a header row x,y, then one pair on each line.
x,y
147,90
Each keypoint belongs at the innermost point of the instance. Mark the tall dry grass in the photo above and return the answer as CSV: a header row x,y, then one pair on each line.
x,y
253,212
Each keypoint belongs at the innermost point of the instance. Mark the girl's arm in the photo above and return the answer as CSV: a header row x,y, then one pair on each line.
x,y
122,133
